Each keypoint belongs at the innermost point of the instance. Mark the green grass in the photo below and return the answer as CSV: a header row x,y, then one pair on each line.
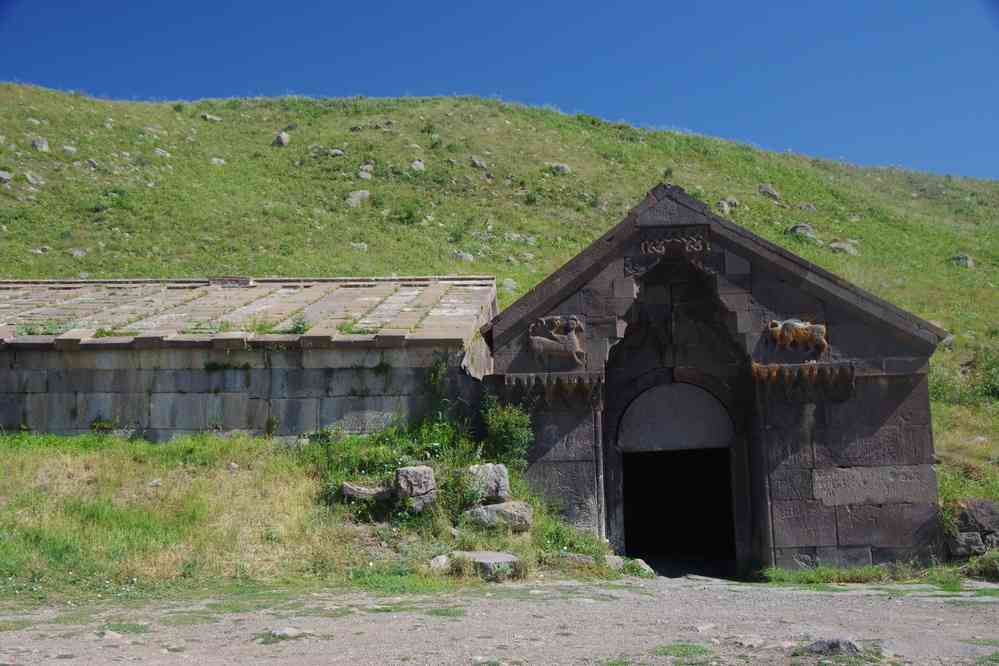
x,y
447,611
127,627
80,517
989,659
682,650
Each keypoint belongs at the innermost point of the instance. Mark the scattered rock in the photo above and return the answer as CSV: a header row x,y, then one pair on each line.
x,y
286,634
803,231
417,165
478,163
32,179
336,152
355,491
78,252
43,249
40,144
210,118
159,152
767,190
853,218
440,564
34,121
492,481
965,544
724,207
644,567
845,247
509,285
355,199
232,467
218,161
464,256
364,175
92,163
155,483
614,562
69,150
291,127
963,260
6,177
559,168
490,565
831,648
109,635
359,247
282,139
516,515
416,486
704,628
807,207
578,558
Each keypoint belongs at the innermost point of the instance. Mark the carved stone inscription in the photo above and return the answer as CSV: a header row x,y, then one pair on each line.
x,y
674,242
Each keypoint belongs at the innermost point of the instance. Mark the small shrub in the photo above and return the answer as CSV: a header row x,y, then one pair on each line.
x,y
509,434
985,567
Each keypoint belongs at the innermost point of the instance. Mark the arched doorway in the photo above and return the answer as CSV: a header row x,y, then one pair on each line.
x,y
676,442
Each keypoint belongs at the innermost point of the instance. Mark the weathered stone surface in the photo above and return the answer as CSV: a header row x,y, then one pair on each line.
x,y
845,247
963,260
836,486
769,191
416,486
354,491
803,523
890,525
440,564
282,139
355,199
491,566
518,516
791,484
978,515
965,544
835,647
491,480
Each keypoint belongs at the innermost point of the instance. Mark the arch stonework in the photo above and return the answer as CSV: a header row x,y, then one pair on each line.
x,y
673,417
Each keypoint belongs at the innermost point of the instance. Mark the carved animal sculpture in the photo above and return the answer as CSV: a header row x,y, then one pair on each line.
x,y
555,337
797,333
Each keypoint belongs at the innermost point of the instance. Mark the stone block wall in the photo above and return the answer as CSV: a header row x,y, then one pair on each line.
x,y
166,392
852,482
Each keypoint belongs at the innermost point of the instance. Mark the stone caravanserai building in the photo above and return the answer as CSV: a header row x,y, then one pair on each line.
x,y
698,393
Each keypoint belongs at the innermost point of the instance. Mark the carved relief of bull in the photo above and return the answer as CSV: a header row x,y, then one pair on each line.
x,y
552,338
797,333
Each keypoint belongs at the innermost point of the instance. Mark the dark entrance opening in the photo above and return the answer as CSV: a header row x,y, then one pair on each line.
x,y
678,511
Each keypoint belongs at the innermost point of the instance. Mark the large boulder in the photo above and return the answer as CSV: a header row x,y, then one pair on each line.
x,y
518,516
416,486
492,480
965,544
978,515
491,566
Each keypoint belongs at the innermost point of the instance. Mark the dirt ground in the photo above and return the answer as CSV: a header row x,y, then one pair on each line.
x,y
633,621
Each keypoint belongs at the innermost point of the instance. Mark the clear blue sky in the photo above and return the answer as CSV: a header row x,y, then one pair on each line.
x,y
913,83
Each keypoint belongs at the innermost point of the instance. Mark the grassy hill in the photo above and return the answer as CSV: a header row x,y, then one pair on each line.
x,y
143,192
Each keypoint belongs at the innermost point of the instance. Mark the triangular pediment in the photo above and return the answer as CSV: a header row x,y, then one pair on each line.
x,y
670,222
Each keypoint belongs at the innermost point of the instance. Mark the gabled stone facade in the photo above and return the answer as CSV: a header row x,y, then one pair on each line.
x,y
681,330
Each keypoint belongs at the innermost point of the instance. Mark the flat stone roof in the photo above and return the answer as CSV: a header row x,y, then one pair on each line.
x,y
307,312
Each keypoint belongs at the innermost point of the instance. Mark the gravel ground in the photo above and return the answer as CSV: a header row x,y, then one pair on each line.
x,y
685,620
